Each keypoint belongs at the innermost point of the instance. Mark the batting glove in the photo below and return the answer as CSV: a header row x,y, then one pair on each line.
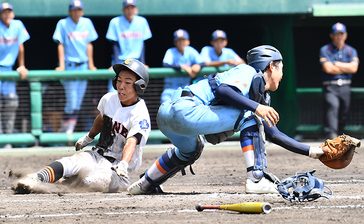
x,y
83,141
121,169
315,152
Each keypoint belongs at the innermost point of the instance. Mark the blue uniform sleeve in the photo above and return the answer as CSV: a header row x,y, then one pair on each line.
x,y
231,96
23,33
233,54
111,33
57,35
324,54
281,139
168,57
93,34
146,31
196,57
205,54
354,54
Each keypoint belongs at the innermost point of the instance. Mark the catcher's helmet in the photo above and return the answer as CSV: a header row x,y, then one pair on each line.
x,y
260,57
138,68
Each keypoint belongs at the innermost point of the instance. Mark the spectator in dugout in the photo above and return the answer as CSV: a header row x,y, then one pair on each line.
x,y
127,34
182,57
12,37
74,36
218,55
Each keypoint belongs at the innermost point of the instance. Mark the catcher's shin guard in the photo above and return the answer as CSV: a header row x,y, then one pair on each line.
x,y
251,134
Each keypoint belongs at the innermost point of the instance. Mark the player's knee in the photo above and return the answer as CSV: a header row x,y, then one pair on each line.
x,y
192,156
251,131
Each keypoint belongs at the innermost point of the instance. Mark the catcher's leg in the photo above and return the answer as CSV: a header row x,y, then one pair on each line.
x,y
258,181
163,168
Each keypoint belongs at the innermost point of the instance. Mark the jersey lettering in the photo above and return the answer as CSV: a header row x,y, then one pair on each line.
x,y
9,41
118,128
78,35
131,35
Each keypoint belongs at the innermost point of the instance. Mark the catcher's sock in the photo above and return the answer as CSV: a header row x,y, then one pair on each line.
x,y
247,147
161,166
51,173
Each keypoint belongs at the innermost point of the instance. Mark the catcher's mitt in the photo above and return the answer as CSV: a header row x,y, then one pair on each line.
x,y
339,151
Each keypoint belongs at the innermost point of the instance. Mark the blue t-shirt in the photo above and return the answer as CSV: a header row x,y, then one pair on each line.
x,y
331,53
129,35
75,38
174,58
239,77
208,54
10,39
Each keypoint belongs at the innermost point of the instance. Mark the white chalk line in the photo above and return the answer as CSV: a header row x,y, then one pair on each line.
x,y
354,181
62,215
202,196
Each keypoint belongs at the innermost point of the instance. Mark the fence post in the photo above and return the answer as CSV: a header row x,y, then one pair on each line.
x,y
36,108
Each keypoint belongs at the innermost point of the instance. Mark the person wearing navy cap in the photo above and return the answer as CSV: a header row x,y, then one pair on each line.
x,y
339,63
12,37
182,57
127,34
74,36
218,55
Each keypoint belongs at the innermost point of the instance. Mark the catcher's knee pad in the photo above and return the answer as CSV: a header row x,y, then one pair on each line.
x,y
255,174
199,148
218,137
258,174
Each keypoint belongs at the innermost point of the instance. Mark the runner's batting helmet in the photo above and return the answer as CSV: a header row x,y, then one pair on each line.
x,y
260,57
138,68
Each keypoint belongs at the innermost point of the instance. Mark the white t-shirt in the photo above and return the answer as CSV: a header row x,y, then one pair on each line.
x,y
126,122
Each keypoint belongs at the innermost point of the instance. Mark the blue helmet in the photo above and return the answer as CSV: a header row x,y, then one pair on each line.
x,y
260,57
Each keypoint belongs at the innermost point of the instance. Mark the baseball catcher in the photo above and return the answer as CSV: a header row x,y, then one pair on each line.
x,y
339,151
124,126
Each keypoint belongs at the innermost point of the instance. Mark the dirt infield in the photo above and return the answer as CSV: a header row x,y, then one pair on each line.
x,y
220,177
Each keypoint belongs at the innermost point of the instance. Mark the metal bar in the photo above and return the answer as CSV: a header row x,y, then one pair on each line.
x,y
48,75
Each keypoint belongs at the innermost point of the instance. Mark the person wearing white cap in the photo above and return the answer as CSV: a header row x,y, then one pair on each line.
x,y
13,34
127,34
218,55
339,63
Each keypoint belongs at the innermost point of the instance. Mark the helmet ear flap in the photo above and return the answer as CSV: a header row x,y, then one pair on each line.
x,y
140,86
114,81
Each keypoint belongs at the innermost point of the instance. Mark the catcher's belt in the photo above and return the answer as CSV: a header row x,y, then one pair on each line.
x,y
303,187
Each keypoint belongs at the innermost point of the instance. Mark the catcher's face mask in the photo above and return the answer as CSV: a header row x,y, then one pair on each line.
x,y
303,187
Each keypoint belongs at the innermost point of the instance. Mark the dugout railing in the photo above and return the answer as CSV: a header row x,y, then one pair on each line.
x,y
310,119
42,101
